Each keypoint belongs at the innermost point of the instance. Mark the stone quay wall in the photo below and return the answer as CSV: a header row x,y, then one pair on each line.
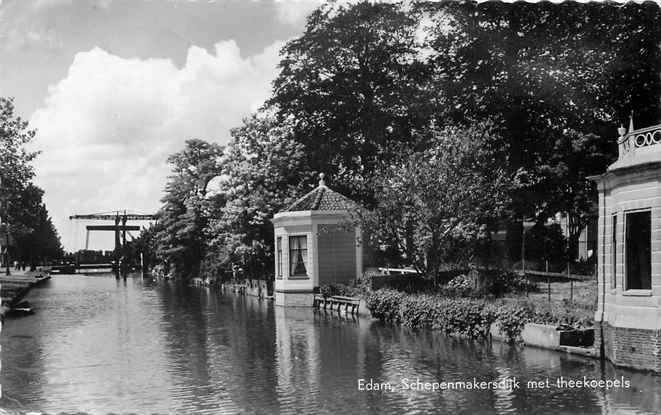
x,y
628,347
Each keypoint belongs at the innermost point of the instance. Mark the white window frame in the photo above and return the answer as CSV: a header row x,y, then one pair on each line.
x,y
308,273
625,279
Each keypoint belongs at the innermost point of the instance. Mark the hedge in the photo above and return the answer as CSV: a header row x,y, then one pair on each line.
x,y
455,316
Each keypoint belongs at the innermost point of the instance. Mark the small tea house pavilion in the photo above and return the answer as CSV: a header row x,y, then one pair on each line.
x,y
629,263
316,243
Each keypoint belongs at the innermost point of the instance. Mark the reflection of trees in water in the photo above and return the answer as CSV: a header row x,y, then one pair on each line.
x,y
250,355
397,352
250,358
225,344
185,327
209,352
22,370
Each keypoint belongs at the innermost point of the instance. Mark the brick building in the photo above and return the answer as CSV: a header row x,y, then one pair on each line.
x,y
316,243
629,252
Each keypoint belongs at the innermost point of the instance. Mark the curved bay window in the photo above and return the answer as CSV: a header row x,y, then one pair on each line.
x,y
638,247
298,256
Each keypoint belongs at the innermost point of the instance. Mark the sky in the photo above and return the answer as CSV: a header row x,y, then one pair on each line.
x,y
113,87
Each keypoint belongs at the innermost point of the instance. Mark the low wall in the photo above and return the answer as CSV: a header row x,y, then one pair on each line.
x,y
548,337
294,299
541,335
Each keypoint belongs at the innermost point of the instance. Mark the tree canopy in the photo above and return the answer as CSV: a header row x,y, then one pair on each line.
x,y
405,104
264,170
560,78
355,88
25,219
184,215
440,204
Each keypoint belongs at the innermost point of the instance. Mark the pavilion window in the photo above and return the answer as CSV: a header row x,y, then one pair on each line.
x,y
638,250
298,255
278,248
614,252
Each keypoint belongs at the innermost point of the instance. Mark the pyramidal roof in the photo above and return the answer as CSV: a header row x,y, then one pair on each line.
x,y
322,198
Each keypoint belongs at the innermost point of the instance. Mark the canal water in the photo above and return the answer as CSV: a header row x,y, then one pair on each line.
x,y
98,345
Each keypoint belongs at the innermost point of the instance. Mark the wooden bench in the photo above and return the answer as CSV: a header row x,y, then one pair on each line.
x,y
336,302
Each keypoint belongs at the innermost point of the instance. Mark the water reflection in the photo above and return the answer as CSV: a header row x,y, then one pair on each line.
x,y
101,345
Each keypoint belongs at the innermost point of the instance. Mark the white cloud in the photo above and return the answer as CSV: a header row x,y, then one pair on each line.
x,y
295,11
45,4
106,129
42,4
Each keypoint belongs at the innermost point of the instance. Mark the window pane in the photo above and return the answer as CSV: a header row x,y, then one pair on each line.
x,y
278,248
614,253
298,255
638,250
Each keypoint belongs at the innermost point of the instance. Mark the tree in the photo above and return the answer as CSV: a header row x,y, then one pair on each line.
x,y
437,207
15,159
39,241
24,216
144,245
183,217
264,170
357,89
575,157
16,172
561,77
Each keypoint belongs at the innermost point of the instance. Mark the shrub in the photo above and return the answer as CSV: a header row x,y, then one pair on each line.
x,y
471,317
499,282
511,318
464,317
418,310
487,283
385,304
562,313
454,316
460,286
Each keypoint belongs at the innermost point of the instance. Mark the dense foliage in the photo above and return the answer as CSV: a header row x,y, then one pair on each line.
x,y
487,283
439,205
454,316
560,78
263,171
356,89
446,120
180,242
470,317
26,224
